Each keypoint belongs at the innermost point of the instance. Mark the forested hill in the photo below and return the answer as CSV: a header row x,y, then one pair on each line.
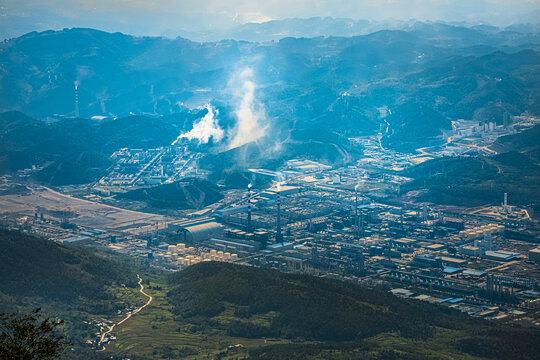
x,y
189,193
32,267
75,151
484,179
344,320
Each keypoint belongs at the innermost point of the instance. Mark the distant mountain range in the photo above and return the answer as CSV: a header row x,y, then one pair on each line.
x,y
425,75
275,30
86,93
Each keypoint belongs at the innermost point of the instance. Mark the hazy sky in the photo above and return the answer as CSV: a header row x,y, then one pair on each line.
x,y
169,16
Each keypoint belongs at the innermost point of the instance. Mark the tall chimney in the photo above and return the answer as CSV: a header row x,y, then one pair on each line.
x,y
357,218
76,100
279,235
356,202
249,227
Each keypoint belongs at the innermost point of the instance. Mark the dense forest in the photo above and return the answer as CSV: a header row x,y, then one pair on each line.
x,y
337,316
65,282
189,193
34,267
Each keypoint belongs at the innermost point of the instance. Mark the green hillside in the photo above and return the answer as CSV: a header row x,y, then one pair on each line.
x,y
68,283
34,267
202,312
484,179
76,151
325,319
189,193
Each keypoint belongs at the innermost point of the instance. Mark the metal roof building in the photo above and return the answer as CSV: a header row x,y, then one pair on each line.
x,y
201,232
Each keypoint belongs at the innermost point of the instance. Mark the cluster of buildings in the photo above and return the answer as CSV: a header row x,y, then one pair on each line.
x,y
347,223
149,166
307,222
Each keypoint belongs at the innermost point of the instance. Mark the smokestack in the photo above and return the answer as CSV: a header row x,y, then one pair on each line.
x,y
356,201
505,200
249,227
356,211
76,100
279,235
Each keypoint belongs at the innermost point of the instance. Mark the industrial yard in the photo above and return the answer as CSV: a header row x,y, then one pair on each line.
x,y
350,223
326,222
44,210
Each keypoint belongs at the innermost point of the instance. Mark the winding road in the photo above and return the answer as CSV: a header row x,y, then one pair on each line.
x,y
130,314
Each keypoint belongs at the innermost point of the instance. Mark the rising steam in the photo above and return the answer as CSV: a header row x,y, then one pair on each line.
x,y
205,129
250,116
279,181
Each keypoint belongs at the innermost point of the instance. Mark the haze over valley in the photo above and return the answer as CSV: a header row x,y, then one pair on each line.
x,y
271,182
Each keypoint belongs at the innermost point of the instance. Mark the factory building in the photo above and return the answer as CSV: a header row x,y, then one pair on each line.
x,y
534,255
502,255
283,190
197,230
306,166
471,251
426,260
233,245
452,261
232,210
201,232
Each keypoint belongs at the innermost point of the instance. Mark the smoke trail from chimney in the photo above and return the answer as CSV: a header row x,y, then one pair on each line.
x,y
205,129
250,116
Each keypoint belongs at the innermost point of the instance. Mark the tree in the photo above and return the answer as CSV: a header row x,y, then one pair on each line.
x,y
24,336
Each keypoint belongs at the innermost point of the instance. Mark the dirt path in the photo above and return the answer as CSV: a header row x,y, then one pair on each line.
x,y
130,314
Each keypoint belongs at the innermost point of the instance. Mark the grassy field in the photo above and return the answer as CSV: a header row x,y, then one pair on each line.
x,y
156,332
205,311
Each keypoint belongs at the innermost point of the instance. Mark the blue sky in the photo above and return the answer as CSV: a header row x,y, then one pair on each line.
x,y
169,16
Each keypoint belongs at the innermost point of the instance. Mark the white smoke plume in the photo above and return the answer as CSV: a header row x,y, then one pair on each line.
x,y
205,129
250,115
281,178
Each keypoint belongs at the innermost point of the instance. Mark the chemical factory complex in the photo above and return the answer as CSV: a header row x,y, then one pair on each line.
x,y
316,219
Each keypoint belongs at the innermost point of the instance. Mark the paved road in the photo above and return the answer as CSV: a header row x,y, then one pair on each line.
x,y
130,314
